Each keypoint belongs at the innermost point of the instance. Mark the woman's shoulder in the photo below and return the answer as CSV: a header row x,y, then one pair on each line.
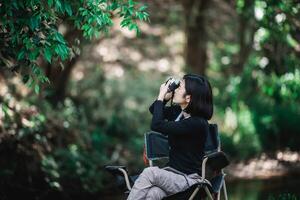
x,y
197,120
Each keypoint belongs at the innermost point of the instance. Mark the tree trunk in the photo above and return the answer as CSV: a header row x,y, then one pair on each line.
x,y
196,35
59,76
246,33
59,80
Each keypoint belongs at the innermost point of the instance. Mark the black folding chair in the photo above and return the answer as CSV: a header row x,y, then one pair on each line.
x,y
215,160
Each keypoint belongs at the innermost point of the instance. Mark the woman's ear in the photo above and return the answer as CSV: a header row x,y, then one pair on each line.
x,y
188,98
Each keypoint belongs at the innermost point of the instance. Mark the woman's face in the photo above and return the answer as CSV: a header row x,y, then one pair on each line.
x,y
179,95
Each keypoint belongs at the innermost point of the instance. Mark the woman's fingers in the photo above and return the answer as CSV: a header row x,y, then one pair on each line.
x,y
163,90
168,96
165,85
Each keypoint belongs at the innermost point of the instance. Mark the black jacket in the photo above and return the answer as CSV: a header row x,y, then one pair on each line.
x,y
186,137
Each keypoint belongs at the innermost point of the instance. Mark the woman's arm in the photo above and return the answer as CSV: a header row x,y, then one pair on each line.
x,y
151,108
189,126
169,112
167,97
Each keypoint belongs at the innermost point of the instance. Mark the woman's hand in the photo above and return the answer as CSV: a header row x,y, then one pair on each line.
x,y
163,91
168,96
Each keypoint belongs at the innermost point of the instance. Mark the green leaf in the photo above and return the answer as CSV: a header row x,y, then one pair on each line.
x,y
85,27
37,88
68,9
125,22
62,51
21,55
48,55
44,79
36,70
58,6
30,82
59,37
90,32
14,3
114,5
131,3
33,55
5,109
34,22
25,78
50,3
132,26
142,8
27,43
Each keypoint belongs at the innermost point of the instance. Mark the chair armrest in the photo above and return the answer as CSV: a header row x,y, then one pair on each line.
x,y
115,169
216,161
121,171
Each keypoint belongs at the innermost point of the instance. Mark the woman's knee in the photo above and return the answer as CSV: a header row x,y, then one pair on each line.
x,y
155,193
151,173
149,170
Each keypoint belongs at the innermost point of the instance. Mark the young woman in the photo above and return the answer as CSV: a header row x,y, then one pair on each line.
x,y
186,127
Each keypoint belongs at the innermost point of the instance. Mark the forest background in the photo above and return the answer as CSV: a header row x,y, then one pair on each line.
x,y
77,78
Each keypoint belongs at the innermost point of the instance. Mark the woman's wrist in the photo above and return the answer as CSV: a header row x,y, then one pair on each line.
x,y
160,97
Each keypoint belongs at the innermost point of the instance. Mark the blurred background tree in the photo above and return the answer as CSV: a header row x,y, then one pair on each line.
x,y
76,86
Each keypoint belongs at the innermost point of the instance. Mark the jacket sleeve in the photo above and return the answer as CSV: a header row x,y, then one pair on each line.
x,y
158,123
167,110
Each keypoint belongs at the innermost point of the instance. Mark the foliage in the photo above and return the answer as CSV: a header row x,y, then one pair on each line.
x,y
261,105
30,30
103,118
73,142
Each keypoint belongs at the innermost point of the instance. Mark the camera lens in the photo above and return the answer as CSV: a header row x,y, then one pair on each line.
x,y
174,83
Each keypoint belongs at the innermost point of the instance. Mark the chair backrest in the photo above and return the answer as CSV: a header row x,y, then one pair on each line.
x,y
212,143
157,145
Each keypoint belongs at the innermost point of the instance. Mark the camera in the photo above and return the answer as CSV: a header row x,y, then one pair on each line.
x,y
174,83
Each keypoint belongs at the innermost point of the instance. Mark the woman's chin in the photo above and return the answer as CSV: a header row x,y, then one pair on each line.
x,y
175,102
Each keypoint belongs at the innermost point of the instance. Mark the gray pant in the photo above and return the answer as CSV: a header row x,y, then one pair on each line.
x,y
155,183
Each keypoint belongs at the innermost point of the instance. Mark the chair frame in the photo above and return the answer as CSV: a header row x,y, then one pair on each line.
x,y
203,167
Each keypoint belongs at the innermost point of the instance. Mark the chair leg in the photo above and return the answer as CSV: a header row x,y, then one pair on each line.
x,y
126,178
225,190
208,193
219,194
194,193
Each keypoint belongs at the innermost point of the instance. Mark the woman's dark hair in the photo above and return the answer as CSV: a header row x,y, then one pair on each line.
x,y
201,103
